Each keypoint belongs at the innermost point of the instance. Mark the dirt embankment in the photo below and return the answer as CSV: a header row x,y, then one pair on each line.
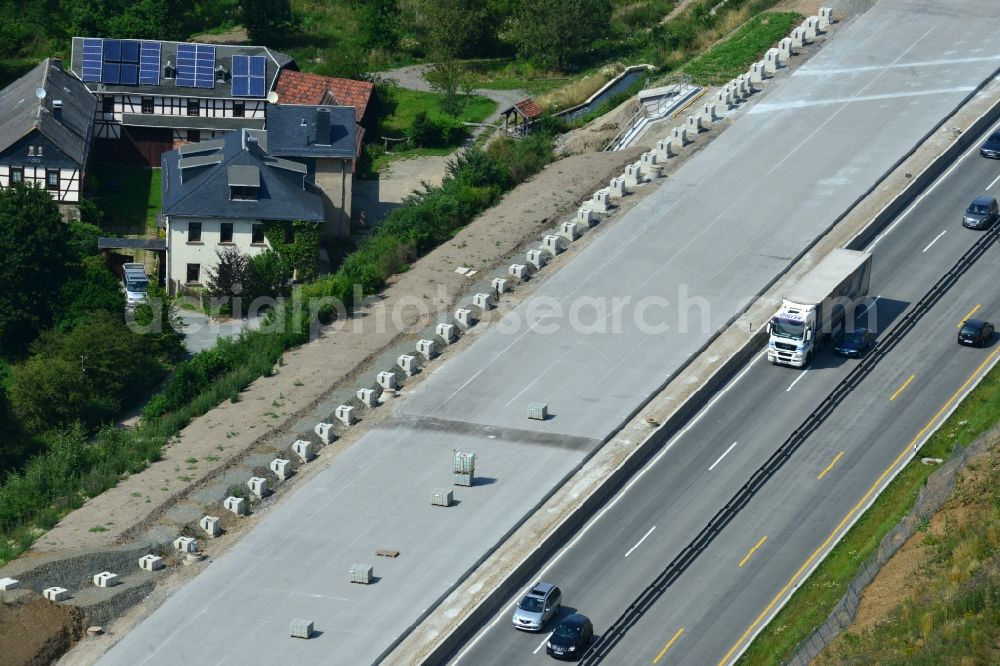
x,y
36,632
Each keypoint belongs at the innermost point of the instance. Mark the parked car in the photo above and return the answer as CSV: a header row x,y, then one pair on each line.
x,y
135,283
854,344
981,213
537,607
975,332
991,147
570,638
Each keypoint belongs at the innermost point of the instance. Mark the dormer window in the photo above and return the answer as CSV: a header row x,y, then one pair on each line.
x,y
244,183
169,71
221,73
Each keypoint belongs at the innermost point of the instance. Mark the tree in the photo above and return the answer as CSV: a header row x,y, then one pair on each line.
x,y
447,78
378,24
149,19
34,250
266,21
231,277
555,33
462,28
268,275
89,288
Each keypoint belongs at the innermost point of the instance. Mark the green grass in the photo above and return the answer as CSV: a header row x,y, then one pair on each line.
x,y
403,106
813,602
503,74
129,197
734,56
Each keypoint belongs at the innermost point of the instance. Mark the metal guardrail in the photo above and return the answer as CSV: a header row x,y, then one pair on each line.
x,y
644,113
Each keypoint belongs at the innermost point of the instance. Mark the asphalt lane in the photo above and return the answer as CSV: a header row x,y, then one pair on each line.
x,y
709,608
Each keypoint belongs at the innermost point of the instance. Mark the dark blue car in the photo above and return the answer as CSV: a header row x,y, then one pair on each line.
x,y
991,147
855,344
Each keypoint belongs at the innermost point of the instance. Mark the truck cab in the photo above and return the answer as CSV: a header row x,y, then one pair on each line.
x,y
135,283
791,340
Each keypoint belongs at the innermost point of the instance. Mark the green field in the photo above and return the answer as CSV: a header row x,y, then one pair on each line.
x,y
734,56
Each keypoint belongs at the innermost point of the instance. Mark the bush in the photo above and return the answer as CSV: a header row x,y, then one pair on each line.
x,y
427,132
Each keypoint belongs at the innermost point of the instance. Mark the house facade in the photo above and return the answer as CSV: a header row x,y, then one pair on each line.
x,y
46,126
155,95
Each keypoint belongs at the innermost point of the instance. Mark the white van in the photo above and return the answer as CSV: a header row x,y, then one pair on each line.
x,y
135,283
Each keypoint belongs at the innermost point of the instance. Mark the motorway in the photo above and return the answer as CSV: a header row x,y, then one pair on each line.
x,y
698,595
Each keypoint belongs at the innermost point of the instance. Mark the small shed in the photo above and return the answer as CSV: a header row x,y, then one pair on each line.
x,y
524,115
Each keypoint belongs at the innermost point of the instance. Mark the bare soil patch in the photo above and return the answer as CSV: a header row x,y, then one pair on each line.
x,y
36,631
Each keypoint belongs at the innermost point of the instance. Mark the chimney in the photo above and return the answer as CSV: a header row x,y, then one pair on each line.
x,y
323,127
57,109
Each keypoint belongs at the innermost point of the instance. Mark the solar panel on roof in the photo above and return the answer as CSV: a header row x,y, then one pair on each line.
x,y
256,86
257,65
249,76
113,49
93,50
241,86
240,66
196,65
130,51
111,72
129,74
149,64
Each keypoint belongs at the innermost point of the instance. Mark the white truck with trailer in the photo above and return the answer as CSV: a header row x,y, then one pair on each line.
x,y
814,310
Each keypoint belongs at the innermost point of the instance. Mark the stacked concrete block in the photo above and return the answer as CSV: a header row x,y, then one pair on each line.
x,y
304,448
569,231
367,397
601,201
299,628
811,24
585,216
483,301
426,348
464,468
210,525
500,285
772,61
708,114
408,364
552,244
56,593
464,316
442,497
665,149
693,124
678,137
825,17
257,486
519,271
7,584
446,332
633,174
617,187
151,563
362,573
724,98
537,258
651,170
236,505
282,468
785,49
325,432
185,545
387,380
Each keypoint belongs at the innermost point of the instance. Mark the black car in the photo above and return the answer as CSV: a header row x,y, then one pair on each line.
x,y
975,332
991,147
854,343
570,637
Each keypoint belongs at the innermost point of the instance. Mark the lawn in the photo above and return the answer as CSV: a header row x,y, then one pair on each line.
x,y
128,196
814,600
734,56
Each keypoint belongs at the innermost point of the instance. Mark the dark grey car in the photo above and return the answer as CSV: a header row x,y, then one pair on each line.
x,y
981,213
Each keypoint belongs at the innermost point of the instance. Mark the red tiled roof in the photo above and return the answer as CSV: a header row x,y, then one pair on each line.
x,y
528,108
302,88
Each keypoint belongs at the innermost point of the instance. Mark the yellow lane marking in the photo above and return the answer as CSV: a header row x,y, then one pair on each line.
x,y
753,550
830,466
901,388
669,643
912,444
971,312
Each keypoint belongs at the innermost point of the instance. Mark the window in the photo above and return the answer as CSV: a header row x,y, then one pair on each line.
x,y
242,193
239,109
31,151
147,104
194,136
16,175
226,233
193,272
108,104
52,179
194,232
193,107
169,72
257,234
289,234
34,151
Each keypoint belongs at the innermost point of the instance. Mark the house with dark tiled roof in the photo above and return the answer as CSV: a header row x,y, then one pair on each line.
x,y
46,123
220,193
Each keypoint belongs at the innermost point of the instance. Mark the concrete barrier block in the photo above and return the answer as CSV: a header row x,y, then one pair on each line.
x,y
584,216
56,593
757,72
538,411
633,174
708,114
693,124
446,332
617,187
151,563
235,505
785,49
304,448
210,525
812,26
325,433
387,380
601,201
552,244
519,271
345,414
483,301
569,230
665,149
362,573
442,497
500,285
7,584
745,82
537,258
408,364
772,61
299,628
798,38
257,486
825,17
106,579
185,545
282,468
464,316
724,98
368,397
427,348
678,136
651,169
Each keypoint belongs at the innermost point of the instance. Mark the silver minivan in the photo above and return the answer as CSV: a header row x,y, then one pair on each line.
x,y
537,607
135,283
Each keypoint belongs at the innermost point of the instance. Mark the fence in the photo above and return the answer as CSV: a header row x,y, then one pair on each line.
x,y
930,498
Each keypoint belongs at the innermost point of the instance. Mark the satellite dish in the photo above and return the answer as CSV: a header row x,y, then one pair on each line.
x,y
272,97
40,93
